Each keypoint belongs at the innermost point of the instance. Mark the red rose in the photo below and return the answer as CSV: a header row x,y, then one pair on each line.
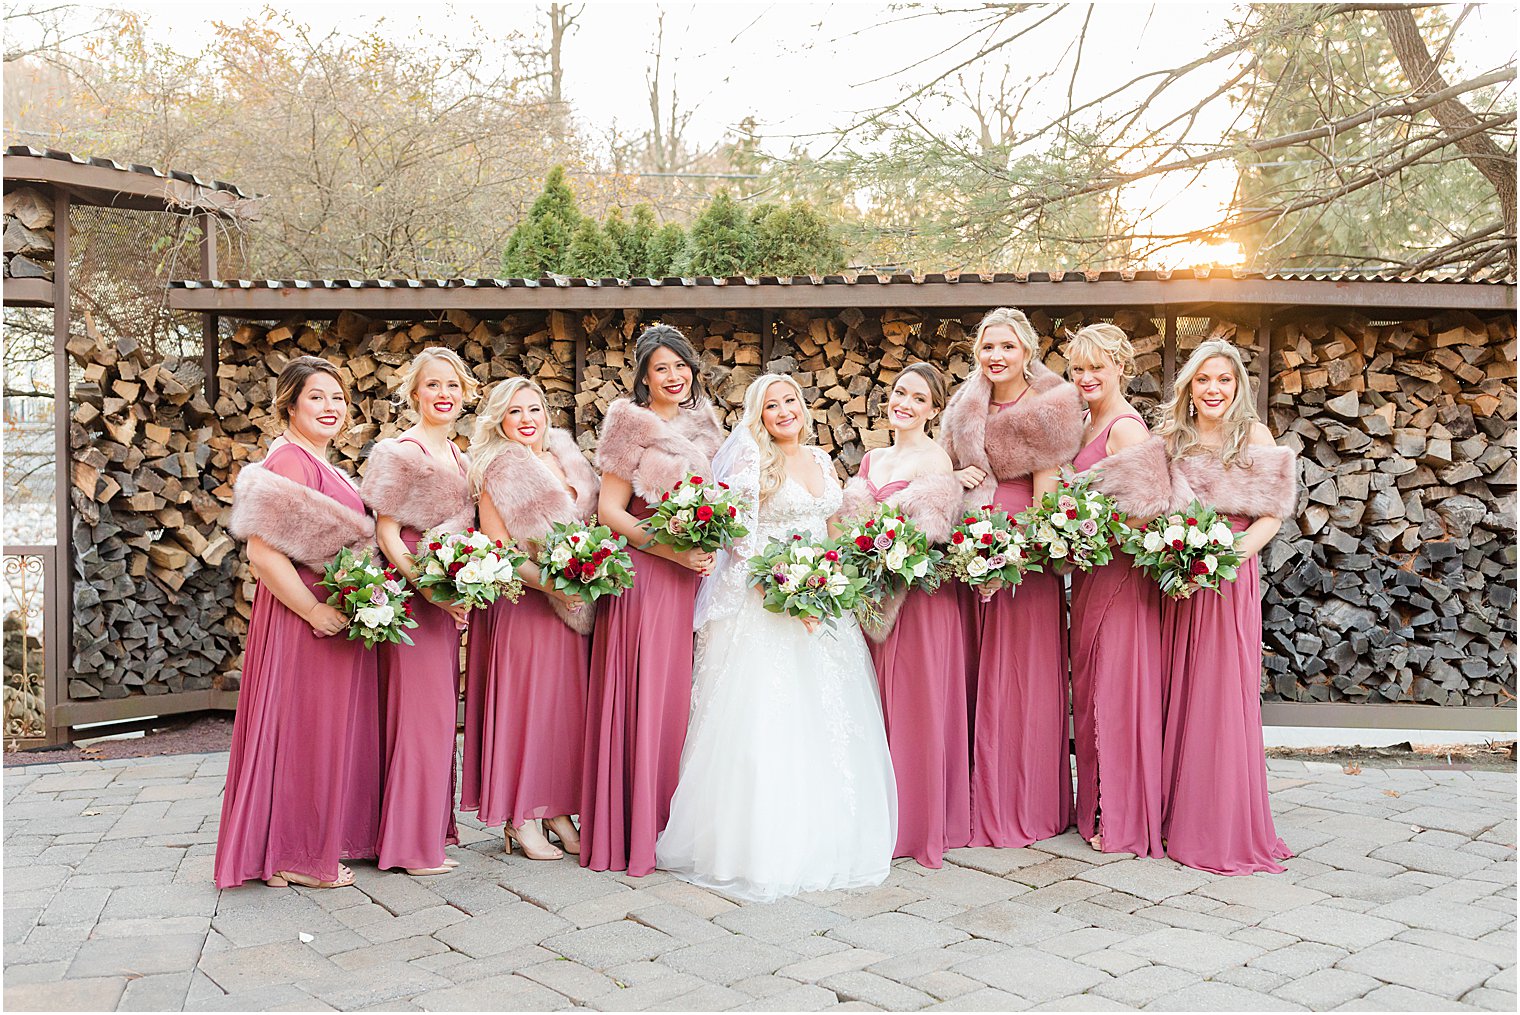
x,y
1192,521
1199,567
831,556
796,539
407,607
575,540
733,512
987,539
723,484
435,546
1072,513
864,542
957,538
470,531
704,513
664,497
349,590
455,567
1116,516
1176,544
985,507
499,546
572,571
970,521
696,481
891,533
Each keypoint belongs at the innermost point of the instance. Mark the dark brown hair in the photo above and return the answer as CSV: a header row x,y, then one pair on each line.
x,y
939,389
293,378
663,336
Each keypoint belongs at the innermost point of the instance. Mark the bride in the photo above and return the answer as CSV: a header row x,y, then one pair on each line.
x,y
786,785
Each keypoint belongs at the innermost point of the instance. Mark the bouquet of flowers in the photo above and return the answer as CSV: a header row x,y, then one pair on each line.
x,y
1075,523
372,597
697,514
801,577
586,560
890,552
987,546
468,567
1193,549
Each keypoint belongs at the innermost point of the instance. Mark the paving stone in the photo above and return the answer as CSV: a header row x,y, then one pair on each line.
x,y
1262,938
888,995
1049,872
935,909
1032,974
608,908
392,952
1430,858
1082,1002
1149,879
969,887
95,993
986,999
728,959
1014,924
698,901
868,902
1090,914
709,997
507,992
681,924
378,985
943,984
1143,986
150,900
421,921
243,969
1332,926
781,921
645,985
1326,988
1080,942
1300,959
992,860
399,895
1121,902
1408,965
1213,996
1187,919
896,932
1192,950
164,953
1439,915
1260,891
1053,897
1396,998
805,997
1251,978
1112,961
1492,1000
79,906
36,972
611,944
1356,885
501,930
1498,953
1504,980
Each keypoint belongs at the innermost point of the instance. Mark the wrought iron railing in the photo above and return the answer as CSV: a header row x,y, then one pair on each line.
x,y
31,644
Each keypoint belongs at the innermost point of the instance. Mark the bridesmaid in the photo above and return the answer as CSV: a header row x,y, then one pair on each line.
x,y
417,482
1116,614
1008,431
1216,815
525,699
641,653
303,780
922,676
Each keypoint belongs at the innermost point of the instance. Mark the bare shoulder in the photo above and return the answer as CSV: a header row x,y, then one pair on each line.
x,y
1127,432
935,461
1261,437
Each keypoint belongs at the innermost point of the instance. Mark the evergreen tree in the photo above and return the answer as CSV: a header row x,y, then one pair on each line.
x,y
592,254
668,252
796,240
541,241
637,241
722,240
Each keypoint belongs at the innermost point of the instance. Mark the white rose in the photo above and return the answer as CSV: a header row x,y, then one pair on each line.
x,y
470,574
804,553
921,568
561,555
376,616
1058,548
433,567
686,496
446,553
1222,534
1196,537
1211,562
896,558
797,573
837,583
980,529
1173,534
1059,520
1153,541
976,567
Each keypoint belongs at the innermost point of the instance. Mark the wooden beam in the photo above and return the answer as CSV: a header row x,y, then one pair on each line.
x,y
28,292
1168,354
264,303
116,188
1263,364
141,705
1352,715
61,602
210,330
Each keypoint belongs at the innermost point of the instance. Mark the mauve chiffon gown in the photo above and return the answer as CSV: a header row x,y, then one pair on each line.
x,y
1217,816
637,705
419,704
303,777
525,709
922,676
1116,696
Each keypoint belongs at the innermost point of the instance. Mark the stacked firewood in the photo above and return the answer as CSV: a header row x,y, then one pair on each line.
x,y
28,234
1396,580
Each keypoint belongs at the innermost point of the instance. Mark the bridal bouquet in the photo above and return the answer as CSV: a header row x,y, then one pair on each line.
x,y
698,514
987,546
1193,549
803,578
468,567
890,552
1075,523
586,560
372,598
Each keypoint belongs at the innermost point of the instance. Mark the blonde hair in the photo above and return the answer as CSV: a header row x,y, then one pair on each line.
x,y
489,441
772,458
405,386
1092,343
1007,317
1177,425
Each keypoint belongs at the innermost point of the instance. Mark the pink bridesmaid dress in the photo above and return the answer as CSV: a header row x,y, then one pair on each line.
x,y
1116,681
419,701
1217,815
637,708
1021,768
922,676
303,778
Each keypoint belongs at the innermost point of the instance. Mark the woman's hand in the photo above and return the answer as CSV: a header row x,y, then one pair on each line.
x,y
812,624
325,620
569,600
990,589
970,477
458,611
700,561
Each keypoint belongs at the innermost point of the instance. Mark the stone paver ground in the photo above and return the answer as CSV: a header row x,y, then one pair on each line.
x,y
1402,897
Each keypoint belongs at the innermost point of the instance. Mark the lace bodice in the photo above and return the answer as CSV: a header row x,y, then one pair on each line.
x,y
792,508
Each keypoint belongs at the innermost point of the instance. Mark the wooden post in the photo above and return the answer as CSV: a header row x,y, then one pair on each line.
x,y
60,603
1169,354
581,349
1263,363
210,331
767,336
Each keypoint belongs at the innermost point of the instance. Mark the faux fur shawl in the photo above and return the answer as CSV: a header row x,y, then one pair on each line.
x,y
1267,487
653,454
1042,431
305,524
1137,478
417,490
932,502
529,497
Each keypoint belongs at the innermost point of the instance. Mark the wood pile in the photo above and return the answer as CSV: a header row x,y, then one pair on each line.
x,y
28,227
1396,580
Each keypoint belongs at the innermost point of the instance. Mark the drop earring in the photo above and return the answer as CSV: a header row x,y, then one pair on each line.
x,y
1192,409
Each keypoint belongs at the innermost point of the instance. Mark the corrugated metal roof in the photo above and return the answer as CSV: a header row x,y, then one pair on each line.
x,y
134,167
550,281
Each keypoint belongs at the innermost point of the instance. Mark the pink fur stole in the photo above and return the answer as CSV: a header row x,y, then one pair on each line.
x,y
530,497
1267,487
305,524
1137,478
1042,431
652,454
933,503
418,491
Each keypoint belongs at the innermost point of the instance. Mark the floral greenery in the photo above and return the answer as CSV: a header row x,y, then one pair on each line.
x,y
586,560
801,577
697,514
1074,523
890,552
469,567
986,546
373,598
1193,549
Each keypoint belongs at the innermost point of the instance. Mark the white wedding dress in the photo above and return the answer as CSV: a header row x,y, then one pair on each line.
x,y
786,785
